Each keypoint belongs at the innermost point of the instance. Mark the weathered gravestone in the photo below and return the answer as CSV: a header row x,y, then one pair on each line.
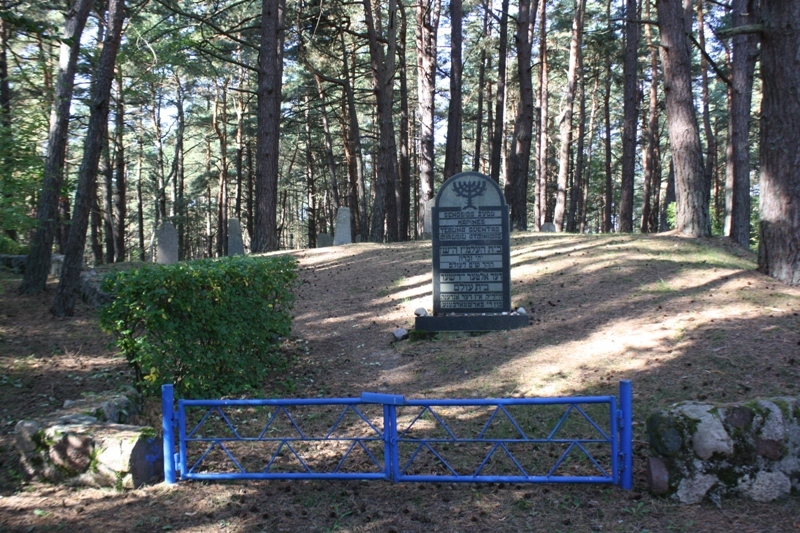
x,y
341,232
427,219
471,258
167,247
324,240
235,241
548,227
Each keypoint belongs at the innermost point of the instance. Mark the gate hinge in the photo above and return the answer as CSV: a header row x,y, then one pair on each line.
x,y
386,399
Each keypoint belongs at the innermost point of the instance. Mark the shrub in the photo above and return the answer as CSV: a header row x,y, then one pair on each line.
x,y
11,247
210,327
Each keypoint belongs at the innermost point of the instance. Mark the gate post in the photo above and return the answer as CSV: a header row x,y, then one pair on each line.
x,y
168,429
626,433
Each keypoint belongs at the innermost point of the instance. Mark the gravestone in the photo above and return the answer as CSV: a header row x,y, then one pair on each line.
x,y
427,219
471,258
341,232
548,227
235,241
324,240
167,247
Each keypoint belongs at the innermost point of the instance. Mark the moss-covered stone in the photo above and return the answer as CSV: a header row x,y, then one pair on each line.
x,y
664,434
747,449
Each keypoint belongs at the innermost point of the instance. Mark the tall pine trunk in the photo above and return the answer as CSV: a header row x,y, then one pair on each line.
x,y
38,264
745,54
692,195
651,177
779,237
453,155
500,96
121,191
565,125
543,99
630,115
404,166
68,286
427,16
383,63
270,73
516,189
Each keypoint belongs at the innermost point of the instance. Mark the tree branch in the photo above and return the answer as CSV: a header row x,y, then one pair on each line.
x,y
717,70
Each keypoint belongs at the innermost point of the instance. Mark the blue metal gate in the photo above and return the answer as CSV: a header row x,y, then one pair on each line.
x,y
384,436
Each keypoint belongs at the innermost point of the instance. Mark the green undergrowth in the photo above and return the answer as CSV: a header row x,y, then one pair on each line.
x,y
210,327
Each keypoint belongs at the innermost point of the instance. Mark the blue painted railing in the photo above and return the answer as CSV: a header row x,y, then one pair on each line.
x,y
385,436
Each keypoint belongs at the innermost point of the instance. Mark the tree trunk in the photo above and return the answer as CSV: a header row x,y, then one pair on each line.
x,y
107,171
565,126
779,237
684,136
250,192
453,155
383,63
711,142
139,195
476,158
38,264
404,168
630,115
669,198
68,286
500,96
270,72
651,179
328,144
516,189
311,193
5,86
177,172
584,200
427,25
576,194
219,121
543,98
95,227
745,54
120,196
6,133
353,146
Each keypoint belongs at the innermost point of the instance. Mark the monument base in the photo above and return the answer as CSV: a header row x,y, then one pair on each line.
x,y
470,322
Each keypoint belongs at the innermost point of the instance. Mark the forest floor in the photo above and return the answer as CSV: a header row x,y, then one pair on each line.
x,y
681,318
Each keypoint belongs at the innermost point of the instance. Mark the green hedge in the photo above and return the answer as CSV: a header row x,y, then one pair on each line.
x,y
210,327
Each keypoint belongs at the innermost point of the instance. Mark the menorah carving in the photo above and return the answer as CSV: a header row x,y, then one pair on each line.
x,y
469,190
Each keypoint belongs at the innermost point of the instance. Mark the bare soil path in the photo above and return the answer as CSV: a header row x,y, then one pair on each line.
x,y
683,319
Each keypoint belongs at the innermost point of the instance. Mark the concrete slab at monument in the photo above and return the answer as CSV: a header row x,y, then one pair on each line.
x,y
471,258
341,232
167,244
324,240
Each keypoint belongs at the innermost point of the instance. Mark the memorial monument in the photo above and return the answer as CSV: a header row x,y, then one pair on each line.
x,y
471,258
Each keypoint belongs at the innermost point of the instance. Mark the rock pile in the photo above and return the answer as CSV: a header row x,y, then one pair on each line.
x,y
88,443
749,449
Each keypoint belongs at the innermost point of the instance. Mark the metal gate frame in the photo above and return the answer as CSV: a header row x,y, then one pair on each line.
x,y
619,438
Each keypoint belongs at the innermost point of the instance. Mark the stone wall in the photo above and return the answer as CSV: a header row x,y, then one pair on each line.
x,y
749,449
88,443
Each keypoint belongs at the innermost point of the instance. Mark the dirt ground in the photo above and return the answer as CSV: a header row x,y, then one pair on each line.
x,y
681,318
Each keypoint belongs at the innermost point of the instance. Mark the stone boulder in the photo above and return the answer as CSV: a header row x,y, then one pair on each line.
x,y
749,449
88,443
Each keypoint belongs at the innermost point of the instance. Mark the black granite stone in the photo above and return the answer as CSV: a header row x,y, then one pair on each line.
x,y
471,258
